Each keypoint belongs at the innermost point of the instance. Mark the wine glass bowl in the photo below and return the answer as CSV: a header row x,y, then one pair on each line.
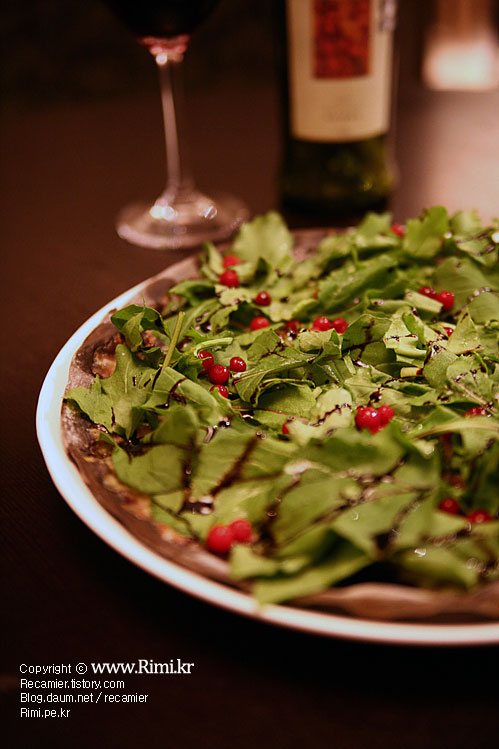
x,y
181,216
181,221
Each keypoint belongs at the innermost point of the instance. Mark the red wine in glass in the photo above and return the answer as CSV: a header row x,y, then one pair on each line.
x,y
161,19
182,216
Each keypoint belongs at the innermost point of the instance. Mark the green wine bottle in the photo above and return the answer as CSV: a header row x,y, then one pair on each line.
x,y
339,78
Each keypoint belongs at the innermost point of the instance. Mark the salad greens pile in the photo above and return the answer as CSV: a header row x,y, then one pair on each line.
x,y
328,502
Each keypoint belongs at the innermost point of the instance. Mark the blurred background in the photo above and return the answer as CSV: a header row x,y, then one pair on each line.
x,y
75,59
65,50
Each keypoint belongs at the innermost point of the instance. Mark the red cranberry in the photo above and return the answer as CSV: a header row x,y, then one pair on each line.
x,y
285,429
479,516
263,299
221,389
237,364
220,538
230,260
476,411
259,322
207,359
368,418
386,414
450,505
218,374
229,278
398,229
339,324
241,530
448,331
446,299
292,326
428,291
322,323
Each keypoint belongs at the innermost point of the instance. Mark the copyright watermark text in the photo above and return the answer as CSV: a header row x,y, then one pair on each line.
x,y
43,687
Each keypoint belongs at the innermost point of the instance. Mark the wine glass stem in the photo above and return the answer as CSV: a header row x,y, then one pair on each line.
x,y
178,178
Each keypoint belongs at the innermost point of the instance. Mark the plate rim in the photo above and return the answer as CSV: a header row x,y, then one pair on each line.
x,y
79,498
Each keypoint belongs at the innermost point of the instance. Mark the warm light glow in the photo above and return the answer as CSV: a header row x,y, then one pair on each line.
x,y
210,212
165,212
462,46
461,64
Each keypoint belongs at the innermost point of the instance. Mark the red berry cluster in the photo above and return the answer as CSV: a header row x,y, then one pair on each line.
x,y
258,323
217,373
237,364
398,229
446,298
221,538
367,417
477,411
324,323
263,299
229,278
230,260
451,506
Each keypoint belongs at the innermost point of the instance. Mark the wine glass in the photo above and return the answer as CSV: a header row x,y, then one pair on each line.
x,y
182,216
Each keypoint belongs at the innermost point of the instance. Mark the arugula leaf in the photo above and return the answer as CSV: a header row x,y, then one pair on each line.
x,y
437,362
286,360
195,291
344,561
158,471
466,223
179,427
358,453
344,284
374,231
133,320
484,308
94,403
265,237
332,410
465,337
424,236
463,277
327,341
276,405
405,342
265,344
128,389
172,386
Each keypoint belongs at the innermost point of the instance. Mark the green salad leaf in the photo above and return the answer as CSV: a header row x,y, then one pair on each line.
x,y
353,434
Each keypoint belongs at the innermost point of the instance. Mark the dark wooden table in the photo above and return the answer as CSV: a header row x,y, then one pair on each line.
x,y
67,596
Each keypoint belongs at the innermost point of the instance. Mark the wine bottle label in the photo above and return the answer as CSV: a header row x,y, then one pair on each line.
x,y
339,67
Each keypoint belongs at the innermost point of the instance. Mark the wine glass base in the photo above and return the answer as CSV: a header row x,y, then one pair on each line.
x,y
175,225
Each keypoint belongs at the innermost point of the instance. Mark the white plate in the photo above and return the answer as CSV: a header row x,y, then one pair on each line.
x,y
69,483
